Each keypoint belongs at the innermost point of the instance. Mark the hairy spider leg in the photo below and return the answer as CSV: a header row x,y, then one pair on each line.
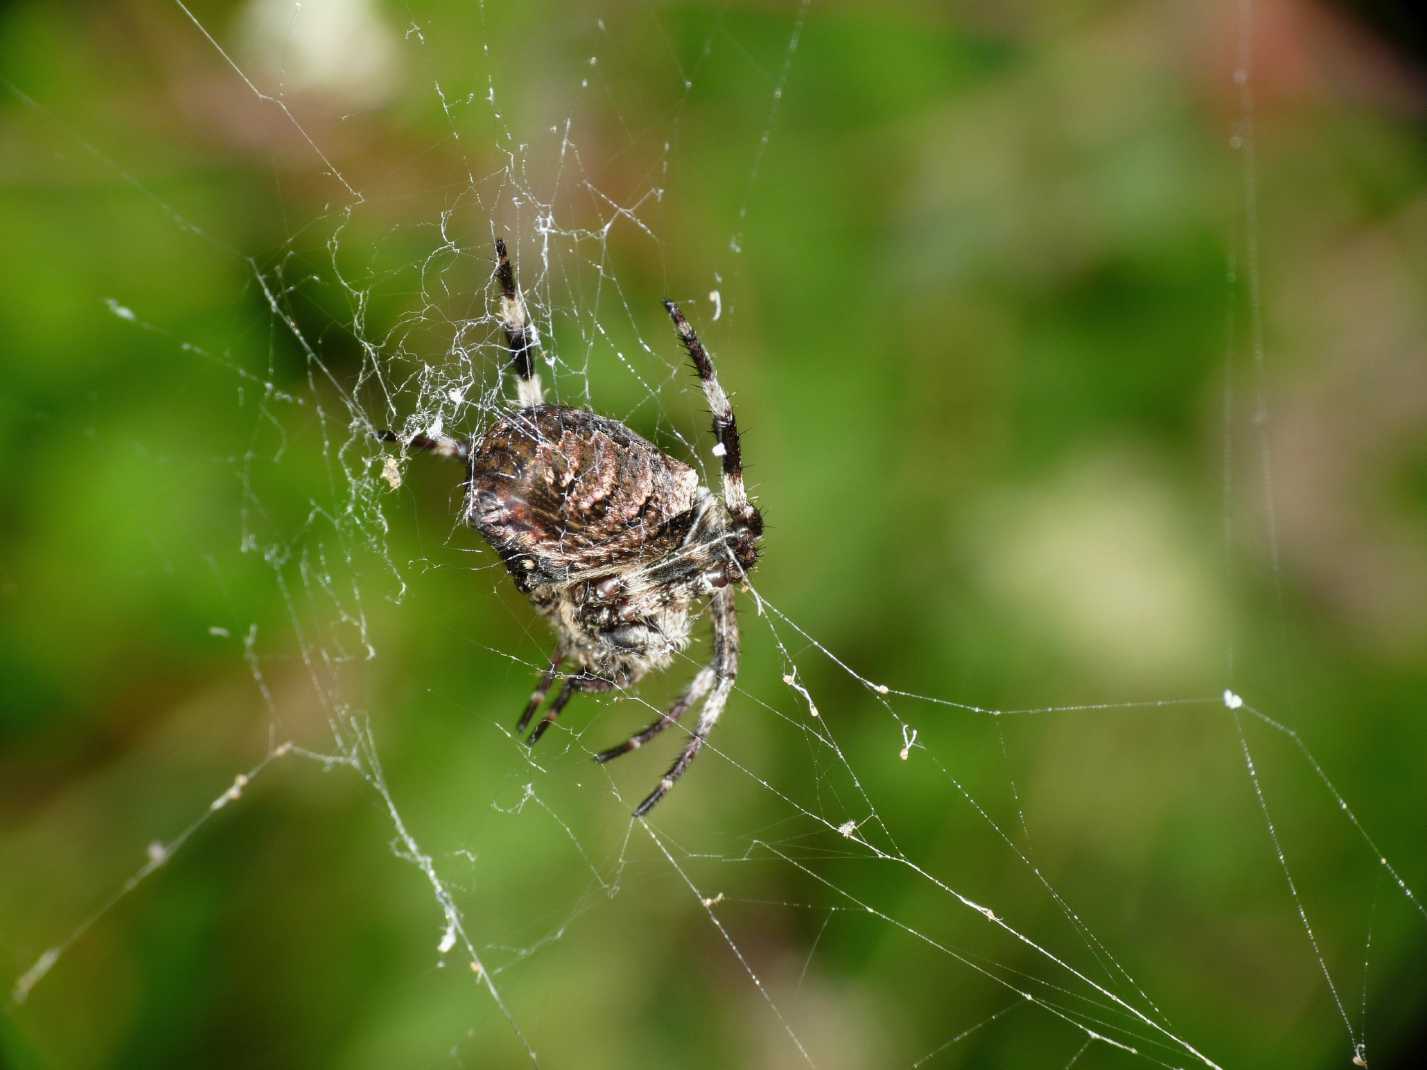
x,y
519,335
582,681
541,689
566,693
725,428
725,669
695,691
441,445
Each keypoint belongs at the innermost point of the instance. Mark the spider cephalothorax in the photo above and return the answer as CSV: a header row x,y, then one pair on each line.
x,y
613,541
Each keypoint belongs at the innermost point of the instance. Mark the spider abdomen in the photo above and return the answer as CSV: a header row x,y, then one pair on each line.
x,y
562,493
590,519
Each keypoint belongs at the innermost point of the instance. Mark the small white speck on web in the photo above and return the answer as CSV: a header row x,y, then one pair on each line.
x,y
34,974
718,450
717,299
457,394
791,679
218,632
847,828
448,940
391,472
1231,700
909,740
157,853
712,900
232,794
122,311
437,426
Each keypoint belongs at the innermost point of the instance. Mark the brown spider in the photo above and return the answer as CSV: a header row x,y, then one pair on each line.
x,y
613,541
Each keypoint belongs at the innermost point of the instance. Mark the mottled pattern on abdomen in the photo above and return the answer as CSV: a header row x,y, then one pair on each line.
x,y
562,493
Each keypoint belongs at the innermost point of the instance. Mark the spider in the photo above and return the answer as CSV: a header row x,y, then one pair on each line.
x,y
612,540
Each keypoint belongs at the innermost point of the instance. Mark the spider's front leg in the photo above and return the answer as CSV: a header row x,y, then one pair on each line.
x,y
724,671
695,691
542,688
579,682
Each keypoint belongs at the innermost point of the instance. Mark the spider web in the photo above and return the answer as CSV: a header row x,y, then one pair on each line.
x,y
871,863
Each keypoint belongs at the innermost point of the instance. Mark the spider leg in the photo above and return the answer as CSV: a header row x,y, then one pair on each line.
x,y
725,428
519,335
725,670
541,688
691,695
441,445
583,681
566,693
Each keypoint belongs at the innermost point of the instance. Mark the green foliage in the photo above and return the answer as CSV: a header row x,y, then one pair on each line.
x,y
980,337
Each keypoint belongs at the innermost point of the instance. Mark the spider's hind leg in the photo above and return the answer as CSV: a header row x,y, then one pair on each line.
x,y
725,426
441,445
519,334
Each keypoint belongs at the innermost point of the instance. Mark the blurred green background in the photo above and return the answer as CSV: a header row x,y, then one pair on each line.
x,y
987,304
